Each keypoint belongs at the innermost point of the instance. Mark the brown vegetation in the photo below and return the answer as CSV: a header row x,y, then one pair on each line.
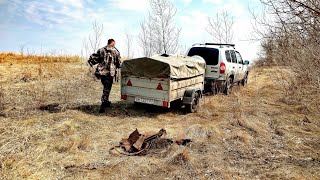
x,y
291,39
50,128
18,58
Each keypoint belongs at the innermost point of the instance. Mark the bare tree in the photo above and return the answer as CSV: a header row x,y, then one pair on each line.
x,y
183,49
128,42
159,33
92,42
85,49
220,27
22,47
145,38
95,38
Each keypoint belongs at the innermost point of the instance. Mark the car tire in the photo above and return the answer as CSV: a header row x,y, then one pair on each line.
x,y
213,89
228,86
245,80
193,107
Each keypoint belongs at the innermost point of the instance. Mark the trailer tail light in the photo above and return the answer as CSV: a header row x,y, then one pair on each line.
x,y
159,87
129,83
124,97
165,104
222,68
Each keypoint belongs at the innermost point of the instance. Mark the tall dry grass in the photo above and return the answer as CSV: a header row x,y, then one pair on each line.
x,y
291,40
251,134
31,59
30,82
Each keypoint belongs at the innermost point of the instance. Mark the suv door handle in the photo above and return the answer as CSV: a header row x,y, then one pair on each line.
x,y
233,67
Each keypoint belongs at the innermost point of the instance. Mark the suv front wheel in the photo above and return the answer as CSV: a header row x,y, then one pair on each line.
x,y
228,86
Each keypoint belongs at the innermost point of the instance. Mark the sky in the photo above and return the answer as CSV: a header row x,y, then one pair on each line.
x,y
60,26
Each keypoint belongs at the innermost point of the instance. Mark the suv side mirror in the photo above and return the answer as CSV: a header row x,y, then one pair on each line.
x,y
246,62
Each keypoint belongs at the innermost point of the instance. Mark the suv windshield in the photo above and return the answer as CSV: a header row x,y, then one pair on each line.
x,y
210,55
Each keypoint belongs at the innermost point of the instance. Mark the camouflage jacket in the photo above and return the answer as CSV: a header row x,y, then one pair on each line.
x,y
108,60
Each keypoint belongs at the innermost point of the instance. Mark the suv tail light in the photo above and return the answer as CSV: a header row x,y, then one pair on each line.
x,y
222,68
159,87
129,83
124,97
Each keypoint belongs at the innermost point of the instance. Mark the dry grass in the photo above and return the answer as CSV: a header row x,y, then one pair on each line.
x,y
18,58
50,129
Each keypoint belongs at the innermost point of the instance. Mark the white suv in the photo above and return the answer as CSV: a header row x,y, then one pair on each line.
x,y
225,66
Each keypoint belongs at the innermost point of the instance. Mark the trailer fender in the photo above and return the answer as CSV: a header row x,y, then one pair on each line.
x,y
189,95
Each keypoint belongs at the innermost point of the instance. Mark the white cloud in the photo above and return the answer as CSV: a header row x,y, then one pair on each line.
x,y
63,13
134,5
70,20
213,1
74,3
194,25
186,2
3,1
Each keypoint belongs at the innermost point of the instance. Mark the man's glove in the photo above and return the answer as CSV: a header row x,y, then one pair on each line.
x,y
89,62
94,59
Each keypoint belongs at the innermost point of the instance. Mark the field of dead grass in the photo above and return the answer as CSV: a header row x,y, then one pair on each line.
x,y
31,59
50,129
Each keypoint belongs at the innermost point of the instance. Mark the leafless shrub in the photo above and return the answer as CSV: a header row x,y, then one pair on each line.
x,y
290,31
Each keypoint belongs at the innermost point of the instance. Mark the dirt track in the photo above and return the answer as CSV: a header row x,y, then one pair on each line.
x,y
252,134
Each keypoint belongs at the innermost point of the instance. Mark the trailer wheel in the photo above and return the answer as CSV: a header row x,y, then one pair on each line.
x,y
193,107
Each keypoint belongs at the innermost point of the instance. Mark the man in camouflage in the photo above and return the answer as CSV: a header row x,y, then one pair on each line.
x,y
108,60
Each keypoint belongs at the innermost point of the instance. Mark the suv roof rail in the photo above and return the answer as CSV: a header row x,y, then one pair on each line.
x,y
215,44
197,44
219,44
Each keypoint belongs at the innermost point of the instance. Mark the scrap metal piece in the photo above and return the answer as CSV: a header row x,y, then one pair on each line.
x,y
183,142
155,136
133,137
138,143
124,143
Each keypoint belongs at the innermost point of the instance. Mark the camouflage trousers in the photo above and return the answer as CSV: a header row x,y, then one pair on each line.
x,y
107,82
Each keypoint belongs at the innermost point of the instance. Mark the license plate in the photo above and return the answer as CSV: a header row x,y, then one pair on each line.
x,y
143,100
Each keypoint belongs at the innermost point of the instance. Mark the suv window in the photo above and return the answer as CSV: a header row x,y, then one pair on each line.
x,y
233,55
240,61
210,55
228,55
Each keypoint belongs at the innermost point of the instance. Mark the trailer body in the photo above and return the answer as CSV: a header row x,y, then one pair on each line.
x,y
161,80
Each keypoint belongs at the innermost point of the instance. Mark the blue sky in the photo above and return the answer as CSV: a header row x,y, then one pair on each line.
x,y
61,25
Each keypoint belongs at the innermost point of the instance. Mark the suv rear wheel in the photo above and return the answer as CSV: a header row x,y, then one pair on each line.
x,y
245,80
228,86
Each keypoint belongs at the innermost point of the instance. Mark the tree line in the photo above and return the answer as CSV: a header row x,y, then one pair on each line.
x,y
159,32
291,38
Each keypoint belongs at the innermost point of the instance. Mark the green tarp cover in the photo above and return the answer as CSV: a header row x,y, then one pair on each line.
x,y
175,67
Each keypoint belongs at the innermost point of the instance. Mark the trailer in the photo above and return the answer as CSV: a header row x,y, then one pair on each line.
x,y
162,79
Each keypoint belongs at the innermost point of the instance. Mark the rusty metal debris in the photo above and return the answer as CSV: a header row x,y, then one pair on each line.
x,y
137,143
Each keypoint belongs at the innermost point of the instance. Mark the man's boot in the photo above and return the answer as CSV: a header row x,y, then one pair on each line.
x,y
104,106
